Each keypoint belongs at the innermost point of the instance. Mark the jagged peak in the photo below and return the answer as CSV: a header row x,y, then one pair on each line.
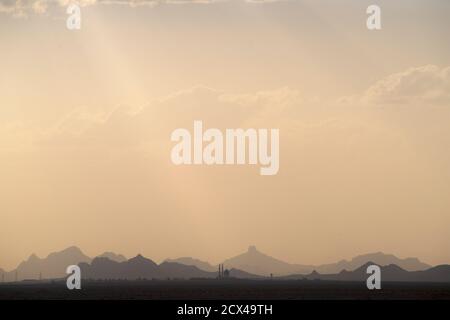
x,y
252,249
138,258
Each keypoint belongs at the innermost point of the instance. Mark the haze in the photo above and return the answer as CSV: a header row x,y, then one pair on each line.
x,y
86,117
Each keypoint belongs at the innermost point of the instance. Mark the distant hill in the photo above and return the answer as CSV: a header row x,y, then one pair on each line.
x,y
239,274
140,268
249,264
113,256
390,272
188,261
177,270
256,262
410,264
104,268
53,266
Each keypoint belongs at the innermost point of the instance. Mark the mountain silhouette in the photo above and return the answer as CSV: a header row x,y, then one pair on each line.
x,y
53,266
188,261
177,270
135,268
258,263
379,258
239,274
140,267
390,272
250,264
113,256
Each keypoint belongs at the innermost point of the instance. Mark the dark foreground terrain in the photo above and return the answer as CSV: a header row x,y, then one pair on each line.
x,y
224,289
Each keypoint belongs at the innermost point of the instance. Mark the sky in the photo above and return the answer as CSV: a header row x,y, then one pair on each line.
x,y
86,118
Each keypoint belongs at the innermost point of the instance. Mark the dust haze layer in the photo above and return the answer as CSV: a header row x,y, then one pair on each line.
x,y
86,117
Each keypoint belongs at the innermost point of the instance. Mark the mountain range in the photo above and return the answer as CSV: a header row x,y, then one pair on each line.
x,y
54,265
250,264
202,265
140,267
113,256
390,272
258,263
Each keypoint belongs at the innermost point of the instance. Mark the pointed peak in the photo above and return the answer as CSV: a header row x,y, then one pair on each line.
x,y
138,257
252,249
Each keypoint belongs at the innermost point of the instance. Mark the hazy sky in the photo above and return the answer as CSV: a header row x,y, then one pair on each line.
x,y
364,119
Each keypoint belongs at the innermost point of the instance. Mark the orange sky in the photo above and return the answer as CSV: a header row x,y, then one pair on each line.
x,y
86,117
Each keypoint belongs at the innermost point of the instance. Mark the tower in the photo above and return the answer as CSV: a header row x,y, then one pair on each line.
x,y
221,271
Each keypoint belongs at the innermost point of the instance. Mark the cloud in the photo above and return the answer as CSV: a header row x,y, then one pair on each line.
x,y
127,126
20,8
425,85
130,127
285,108
24,8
